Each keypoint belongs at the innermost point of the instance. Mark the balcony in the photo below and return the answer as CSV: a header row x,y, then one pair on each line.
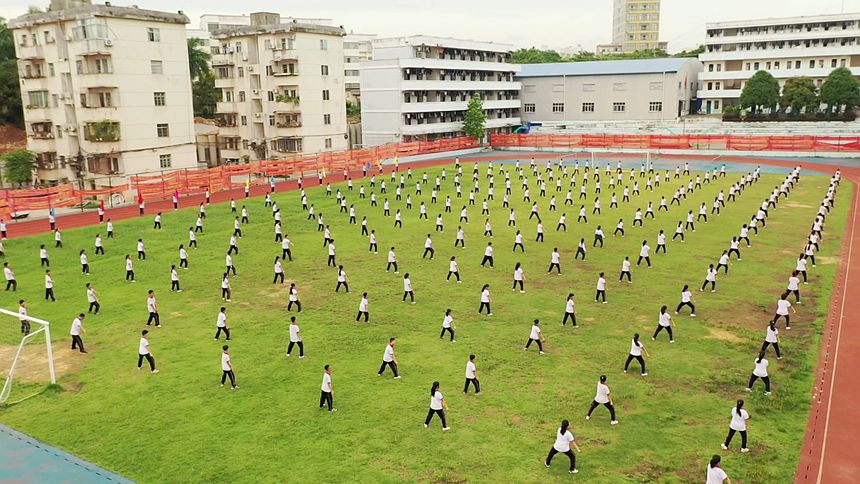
x,y
286,69
30,52
459,65
90,47
225,107
42,130
227,59
444,127
467,85
285,56
102,131
425,107
718,94
288,121
286,104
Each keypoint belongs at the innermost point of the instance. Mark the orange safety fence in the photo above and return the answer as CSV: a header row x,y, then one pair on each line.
x,y
160,186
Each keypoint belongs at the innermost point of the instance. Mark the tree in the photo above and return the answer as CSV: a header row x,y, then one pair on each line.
x,y
799,93
691,53
760,92
473,125
840,90
19,166
205,95
198,58
534,56
11,110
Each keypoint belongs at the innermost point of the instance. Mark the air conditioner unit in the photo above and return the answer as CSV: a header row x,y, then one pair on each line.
x,y
108,43
255,92
71,129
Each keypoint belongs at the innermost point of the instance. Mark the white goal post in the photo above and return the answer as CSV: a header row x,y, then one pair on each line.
x,y
593,156
44,329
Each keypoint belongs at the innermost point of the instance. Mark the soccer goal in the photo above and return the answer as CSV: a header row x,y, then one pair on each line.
x,y
24,361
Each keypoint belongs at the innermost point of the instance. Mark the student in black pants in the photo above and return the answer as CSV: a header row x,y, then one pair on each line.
x,y
472,376
227,368
448,325
760,371
437,403
603,397
738,424
143,351
636,350
771,338
326,393
569,311
563,441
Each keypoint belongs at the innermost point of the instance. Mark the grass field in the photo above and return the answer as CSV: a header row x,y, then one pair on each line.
x,y
179,426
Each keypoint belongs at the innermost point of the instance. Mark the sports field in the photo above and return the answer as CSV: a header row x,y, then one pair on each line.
x,y
180,426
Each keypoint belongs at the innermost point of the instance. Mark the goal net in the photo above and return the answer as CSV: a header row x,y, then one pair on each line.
x,y
26,360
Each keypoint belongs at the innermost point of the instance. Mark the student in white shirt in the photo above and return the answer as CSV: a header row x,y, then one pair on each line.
x,y
518,242
488,229
580,249
760,371
99,245
782,307
603,397
488,255
227,368
92,299
43,257
342,280
294,298
279,271
183,257
485,300
437,402
471,376
129,268
22,315
109,229
771,337
448,325
363,308
389,359
664,322
715,474
601,288
75,332
569,311
221,324
157,221
710,278
686,300
331,254
519,278
174,279
644,253
738,424
58,239
794,286
144,351
800,268
327,391
49,286
636,350
152,308
407,289
295,338
625,270
141,251
563,440
536,336
555,261
225,287
428,248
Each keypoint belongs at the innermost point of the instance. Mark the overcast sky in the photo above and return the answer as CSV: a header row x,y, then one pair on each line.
x,y
553,23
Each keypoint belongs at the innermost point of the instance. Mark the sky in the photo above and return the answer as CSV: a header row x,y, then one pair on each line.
x,y
555,24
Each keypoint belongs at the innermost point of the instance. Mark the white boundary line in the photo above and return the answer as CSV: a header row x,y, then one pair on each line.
x,y
838,333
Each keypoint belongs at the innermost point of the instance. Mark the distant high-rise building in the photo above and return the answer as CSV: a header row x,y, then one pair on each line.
x,y
635,26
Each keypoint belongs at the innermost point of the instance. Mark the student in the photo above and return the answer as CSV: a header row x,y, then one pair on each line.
x,y
244,219
619,228
539,237
392,261
734,248
563,440
75,332
644,253
221,324
437,402
407,289
331,254
518,242
782,307
724,262
295,338
738,424
183,257
771,337
686,300
129,268
294,298
485,300
536,336
428,248
488,229
601,288
800,267
794,286
603,397
192,239
109,229
93,299
664,322
141,251
144,351
22,316
174,279
49,286
342,280
99,245
58,239
453,268
279,271
598,236
10,277
157,221
715,474
569,311
519,278
555,261
625,270
326,390
760,371
710,278
225,288
448,325
562,223
363,308
286,248
227,368
43,257
679,231
389,359
488,255
580,250
636,350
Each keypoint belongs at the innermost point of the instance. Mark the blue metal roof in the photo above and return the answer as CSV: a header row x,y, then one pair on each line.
x,y
601,68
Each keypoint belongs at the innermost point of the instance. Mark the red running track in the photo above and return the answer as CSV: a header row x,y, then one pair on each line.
x,y
828,454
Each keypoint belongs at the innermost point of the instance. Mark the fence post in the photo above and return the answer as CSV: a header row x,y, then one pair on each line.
x,y
80,194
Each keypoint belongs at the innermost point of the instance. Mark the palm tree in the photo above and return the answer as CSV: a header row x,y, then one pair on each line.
x,y
198,58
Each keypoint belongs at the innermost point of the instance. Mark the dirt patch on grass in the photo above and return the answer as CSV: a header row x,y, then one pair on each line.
x,y
724,335
32,366
796,205
826,260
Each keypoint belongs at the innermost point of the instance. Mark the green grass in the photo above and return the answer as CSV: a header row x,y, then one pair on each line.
x,y
179,426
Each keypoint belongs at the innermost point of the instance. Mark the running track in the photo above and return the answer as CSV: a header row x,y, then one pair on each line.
x,y
828,454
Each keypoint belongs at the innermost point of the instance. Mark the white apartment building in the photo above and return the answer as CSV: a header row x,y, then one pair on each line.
x,y
809,46
210,23
357,48
282,89
635,26
106,91
418,87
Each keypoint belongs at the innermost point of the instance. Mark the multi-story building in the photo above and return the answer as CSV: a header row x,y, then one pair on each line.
x,y
635,26
282,89
417,88
641,89
210,23
106,91
357,48
810,46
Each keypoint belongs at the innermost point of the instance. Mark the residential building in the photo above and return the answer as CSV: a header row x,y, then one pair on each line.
x,y
418,87
106,91
357,48
208,142
641,89
210,23
810,46
282,88
635,26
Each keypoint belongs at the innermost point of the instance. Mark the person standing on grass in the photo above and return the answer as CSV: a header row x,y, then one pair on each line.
x,y
141,250
724,262
100,249
782,307
679,231
43,257
157,221
152,307
453,268
363,308
144,351
738,424
279,271
518,242
77,329
327,391
488,255
448,325
183,257
601,288
686,300
10,277
225,287
710,278
794,286
342,280
93,299
294,298
22,315
58,239
109,229
519,278
734,248
49,286
192,239
437,402
664,322
234,245
227,368
771,337
580,249
428,248
760,371
563,440
625,270
603,397
471,376
555,261
644,253
295,338
569,311
598,237
562,222
800,267
331,254
535,336
174,279
488,229
389,359
221,324
485,300
619,228
636,350
715,474
407,289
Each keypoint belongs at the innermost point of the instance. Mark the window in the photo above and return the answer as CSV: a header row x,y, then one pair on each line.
x,y
710,68
558,107
55,100
326,118
241,96
269,70
162,130
270,95
105,99
619,107
164,161
241,71
328,143
49,39
51,69
797,64
153,35
587,107
655,107
228,96
755,66
323,44
238,47
351,72
159,98
38,99
324,70
271,120
84,102
103,66
325,95
589,87
59,131
156,67
833,63
776,65
243,120
529,108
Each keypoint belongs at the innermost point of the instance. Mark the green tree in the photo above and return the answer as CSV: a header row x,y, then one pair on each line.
x,y
760,92
534,56
799,93
11,111
691,53
475,120
840,90
19,166
205,95
198,58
